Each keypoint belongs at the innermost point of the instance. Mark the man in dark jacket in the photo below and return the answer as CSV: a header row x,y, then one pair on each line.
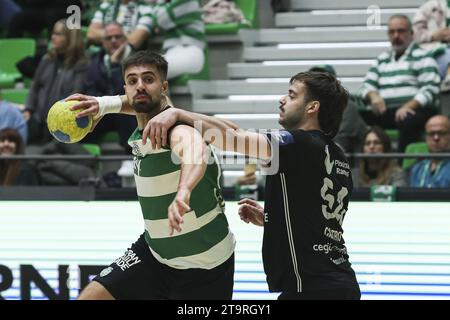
x,y
105,78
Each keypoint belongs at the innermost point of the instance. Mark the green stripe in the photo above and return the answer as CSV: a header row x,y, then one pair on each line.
x,y
179,33
409,72
203,198
430,83
188,18
136,135
408,59
155,208
193,33
157,164
169,11
401,85
371,82
374,70
413,72
192,243
431,69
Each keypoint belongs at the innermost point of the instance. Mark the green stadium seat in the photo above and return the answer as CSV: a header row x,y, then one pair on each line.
x,y
110,137
393,134
15,95
93,149
249,9
416,147
12,51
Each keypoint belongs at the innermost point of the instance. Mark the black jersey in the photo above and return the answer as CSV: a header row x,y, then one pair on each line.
x,y
305,205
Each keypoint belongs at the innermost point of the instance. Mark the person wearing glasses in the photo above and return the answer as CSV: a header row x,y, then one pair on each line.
x,y
402,85
104,77
434,173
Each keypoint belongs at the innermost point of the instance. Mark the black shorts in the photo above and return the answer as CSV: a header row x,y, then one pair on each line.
x,y
138,275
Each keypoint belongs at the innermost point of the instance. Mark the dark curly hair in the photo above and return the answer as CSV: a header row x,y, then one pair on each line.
x,y
332,96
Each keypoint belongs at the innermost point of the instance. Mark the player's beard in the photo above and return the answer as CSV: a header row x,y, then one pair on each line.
x,y
293,120
148,106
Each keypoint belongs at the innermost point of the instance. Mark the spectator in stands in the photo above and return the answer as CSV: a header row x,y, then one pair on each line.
x,y
125,12
105,78
60,73
353,128
65,172
38,15
12,117
184,34
378,171
402,85
432,33
15,172
434,173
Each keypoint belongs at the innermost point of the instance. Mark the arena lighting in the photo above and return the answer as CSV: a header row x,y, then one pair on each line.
x,y
362,11
381,44
249,116
286,80
399,250
333,29
235,173
315,62
263,80
253,97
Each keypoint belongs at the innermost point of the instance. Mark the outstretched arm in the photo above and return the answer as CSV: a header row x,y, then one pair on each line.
x,y
222,133
189,146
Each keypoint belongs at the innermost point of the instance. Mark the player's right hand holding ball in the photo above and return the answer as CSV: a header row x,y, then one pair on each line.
x,y
89,104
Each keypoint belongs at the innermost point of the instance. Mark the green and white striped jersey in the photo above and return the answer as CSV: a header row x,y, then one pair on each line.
x,y
180,20
413,76
205,240
128,15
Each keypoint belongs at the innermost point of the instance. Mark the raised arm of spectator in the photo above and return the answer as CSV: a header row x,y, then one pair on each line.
x,y
95,33
144,28
430,11
420,23
95,30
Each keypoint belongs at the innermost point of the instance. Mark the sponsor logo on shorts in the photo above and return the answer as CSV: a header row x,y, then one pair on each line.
x,y
106,271
128,260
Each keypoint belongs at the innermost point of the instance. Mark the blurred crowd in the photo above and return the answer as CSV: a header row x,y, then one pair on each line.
x,y
400,91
